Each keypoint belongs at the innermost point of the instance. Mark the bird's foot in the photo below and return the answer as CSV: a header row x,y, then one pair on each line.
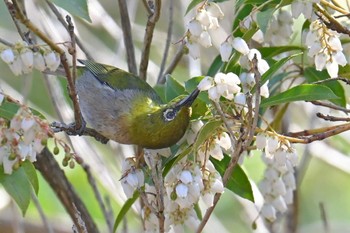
x,y
70,129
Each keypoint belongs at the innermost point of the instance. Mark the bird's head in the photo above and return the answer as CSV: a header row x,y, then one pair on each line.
x,y
162,126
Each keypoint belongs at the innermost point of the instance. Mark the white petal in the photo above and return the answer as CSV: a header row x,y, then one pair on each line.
x,y
332,69
16,66
225,51
27,58
224,141
339,58
186,177
263,66
264,90
271,174
240,45
214,10
289,180
279,204
297,8
268,212
252,53
205,39
335,43
7,55
216,152
278,187
260,141
193,49
240,100
206,83
272,144
320,61
132,180
213,94
195,27
39,62
203,17
181,190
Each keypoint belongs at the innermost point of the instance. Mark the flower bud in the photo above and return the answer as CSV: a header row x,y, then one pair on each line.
x,y
214,10
186,177
205,39
27,59
225,51
7,55
181,190
39,62
240,45
195,27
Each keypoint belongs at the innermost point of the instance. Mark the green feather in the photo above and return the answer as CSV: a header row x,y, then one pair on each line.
x,y
118,79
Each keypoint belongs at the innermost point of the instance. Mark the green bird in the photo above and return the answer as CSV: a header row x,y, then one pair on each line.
x,y
126,109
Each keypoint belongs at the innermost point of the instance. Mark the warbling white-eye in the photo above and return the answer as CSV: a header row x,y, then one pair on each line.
x,y
124,108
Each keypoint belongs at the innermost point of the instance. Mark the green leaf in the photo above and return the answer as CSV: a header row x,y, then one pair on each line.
x,y
304,92
263,18
32,176
269,52
238,182
205,132
215,66
312,75
78,8
275,67
192,5
17,186
174,160
9,109
173,88
127,205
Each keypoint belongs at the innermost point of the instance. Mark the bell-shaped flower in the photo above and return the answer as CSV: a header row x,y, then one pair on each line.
x,y
225,51
195,27
240,45
7,55
214,10
39,62
205,39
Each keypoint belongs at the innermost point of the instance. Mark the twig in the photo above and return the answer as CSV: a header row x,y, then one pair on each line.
x,y
5,42
98,196
324,217
128,41
331,118
173,64
168,39
151,23
345,80
148,8
72,50
63,22
43,217
53,174
330,105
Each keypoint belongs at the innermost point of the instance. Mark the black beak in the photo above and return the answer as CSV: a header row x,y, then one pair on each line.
x,y
188,101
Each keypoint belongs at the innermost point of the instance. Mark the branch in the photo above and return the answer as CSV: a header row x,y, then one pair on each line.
x,y
331,118
330,105
128,41
56,178
151,23
168,39
173,64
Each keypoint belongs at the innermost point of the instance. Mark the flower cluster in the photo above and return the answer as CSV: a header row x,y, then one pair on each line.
x,y
303,7
207,18
133,178
279,182
280,29
325,47
225,85
22,138
22,58
214,147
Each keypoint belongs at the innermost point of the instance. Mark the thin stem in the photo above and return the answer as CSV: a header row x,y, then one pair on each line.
x,y
173,64
5,42
64,23
168,39
151,23
43,217
330,105
128,41
98,196
334,7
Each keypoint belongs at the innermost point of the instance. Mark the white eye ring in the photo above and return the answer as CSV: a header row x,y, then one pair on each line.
x,y
169,114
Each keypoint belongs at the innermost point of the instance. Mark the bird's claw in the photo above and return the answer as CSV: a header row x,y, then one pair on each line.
x,y
70,129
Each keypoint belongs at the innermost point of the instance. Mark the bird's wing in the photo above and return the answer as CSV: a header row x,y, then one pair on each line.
x,y
117,78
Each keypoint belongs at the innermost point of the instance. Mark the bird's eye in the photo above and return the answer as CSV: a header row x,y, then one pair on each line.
x,y
169,114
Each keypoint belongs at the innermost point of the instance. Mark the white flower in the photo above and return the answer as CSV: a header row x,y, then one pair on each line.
x,y
52,60
16,66
332,68
214,10
240,101
264,90
195,27
263,66
240,45
186,177
204,18
7,55
278,187
272,144
279,204
193,49
320,61
225,51
260,141
268,212
206,83
132,178
27,58
39,62
192,131
181,190
205,39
